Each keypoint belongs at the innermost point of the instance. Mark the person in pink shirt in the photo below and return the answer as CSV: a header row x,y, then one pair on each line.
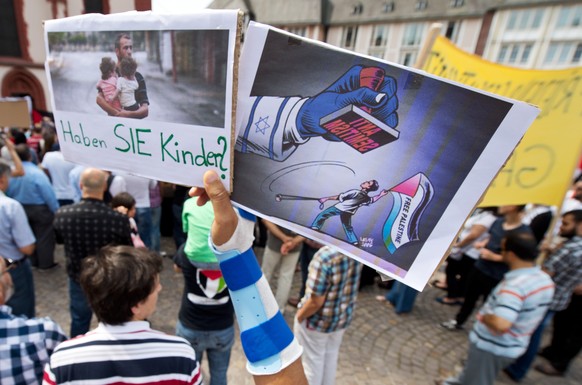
x,y
108,83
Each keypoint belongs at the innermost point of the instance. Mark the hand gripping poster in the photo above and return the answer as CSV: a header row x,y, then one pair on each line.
x,y
381,161
150,94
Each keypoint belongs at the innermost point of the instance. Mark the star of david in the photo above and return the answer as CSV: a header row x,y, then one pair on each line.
x,y
262,125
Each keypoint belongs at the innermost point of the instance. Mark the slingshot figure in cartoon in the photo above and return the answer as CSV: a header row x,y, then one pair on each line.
x,y
411,198
349,202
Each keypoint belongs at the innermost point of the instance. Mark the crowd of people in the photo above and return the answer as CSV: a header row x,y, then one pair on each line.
x,y
109,225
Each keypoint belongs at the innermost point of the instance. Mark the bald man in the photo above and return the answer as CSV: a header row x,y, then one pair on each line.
x,y
84,228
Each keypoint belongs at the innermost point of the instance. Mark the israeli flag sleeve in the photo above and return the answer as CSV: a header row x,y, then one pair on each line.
x,y
269,127
267,341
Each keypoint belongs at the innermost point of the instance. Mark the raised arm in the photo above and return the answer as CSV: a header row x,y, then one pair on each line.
x,y
18,168
272,350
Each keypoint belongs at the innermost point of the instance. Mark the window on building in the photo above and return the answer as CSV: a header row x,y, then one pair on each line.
x,y
577,17
388,7
412,34
577,54
526,19
537,18
408,58
452,30
9,42
379,40
379,36
421,5
93,6
357,9
349,36
570,17
563,53
457,3
525,53
512,20
552,49
502,53
515,53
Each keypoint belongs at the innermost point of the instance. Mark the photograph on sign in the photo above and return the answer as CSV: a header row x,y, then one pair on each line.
x,y
381,161
153,99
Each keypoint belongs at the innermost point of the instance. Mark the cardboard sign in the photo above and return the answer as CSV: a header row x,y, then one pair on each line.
x,y
14,113
146,93
381,161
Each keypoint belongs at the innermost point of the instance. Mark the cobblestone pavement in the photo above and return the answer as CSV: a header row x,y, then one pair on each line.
x,y
379,348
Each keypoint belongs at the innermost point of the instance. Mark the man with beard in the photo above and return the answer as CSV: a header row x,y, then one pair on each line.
x,y
124,49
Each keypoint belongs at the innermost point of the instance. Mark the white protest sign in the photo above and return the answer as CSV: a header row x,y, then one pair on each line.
x,y
145,93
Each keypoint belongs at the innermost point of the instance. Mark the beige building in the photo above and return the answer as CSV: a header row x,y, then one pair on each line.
x,y
545,34
22,47
524,33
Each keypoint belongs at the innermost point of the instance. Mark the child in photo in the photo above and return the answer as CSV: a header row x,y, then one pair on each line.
x,y
125,204
107,86
127,84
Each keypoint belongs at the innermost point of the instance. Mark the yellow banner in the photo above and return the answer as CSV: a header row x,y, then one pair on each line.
x,y
541,167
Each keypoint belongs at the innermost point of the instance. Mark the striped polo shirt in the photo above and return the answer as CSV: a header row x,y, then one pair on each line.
x,y
523,298
131,353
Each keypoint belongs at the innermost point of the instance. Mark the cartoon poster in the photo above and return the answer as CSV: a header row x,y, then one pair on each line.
x,y
145,93
381,161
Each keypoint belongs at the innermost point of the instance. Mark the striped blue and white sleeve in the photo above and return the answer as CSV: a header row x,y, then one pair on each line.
x,y
267,341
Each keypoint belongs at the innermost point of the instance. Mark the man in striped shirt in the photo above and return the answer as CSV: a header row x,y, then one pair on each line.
x,y
122,285
509,316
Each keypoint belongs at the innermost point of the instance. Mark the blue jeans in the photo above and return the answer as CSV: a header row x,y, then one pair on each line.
x,y
519,368
23,300
155,233
143,217
345,217
81,313
216,343
402,297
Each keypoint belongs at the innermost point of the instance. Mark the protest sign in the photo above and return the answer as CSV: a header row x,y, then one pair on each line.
x,y
381,161
541,168
145,93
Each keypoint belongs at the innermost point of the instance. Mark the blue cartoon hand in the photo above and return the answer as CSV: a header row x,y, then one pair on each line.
x,y
382,103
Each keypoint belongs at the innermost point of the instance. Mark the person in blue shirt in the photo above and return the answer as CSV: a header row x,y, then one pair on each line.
x,y
35,193
16,242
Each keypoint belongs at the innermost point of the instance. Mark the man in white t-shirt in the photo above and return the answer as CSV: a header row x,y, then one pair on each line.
x,y
139,188
58,169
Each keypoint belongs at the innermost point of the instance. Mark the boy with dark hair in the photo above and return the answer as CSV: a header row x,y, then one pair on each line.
x,y
122,285
510,315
